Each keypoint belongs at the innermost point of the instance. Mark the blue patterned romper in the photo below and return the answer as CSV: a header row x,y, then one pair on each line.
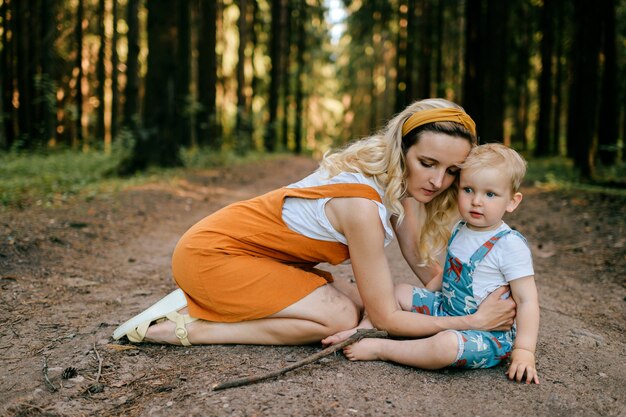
x,y
477,349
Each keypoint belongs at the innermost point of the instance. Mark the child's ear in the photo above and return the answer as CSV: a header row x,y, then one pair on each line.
x,y
515,200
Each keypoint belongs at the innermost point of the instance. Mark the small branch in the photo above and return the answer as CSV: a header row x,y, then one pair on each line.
x,y
49,383
99,363
360,334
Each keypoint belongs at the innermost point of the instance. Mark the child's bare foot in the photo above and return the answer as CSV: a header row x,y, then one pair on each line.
x,y
364,350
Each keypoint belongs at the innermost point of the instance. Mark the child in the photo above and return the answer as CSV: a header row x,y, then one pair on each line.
x,y
484,253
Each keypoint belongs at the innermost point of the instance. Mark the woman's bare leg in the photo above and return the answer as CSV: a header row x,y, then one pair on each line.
x,y
433,352
404,298
323,312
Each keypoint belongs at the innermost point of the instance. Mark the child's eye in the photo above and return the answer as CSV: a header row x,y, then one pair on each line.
x,y
491,194
467,189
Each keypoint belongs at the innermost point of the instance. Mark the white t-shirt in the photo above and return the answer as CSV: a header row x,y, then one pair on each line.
x,y
509,259
307,217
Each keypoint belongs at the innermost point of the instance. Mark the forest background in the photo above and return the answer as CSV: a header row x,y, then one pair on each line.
x,y
93,89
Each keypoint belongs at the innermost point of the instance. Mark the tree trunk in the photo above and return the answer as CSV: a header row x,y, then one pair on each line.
x,y
8,58
583,100
269,140
131,92
439,76
472,82
542,144
79,77
242,131
24,75
609,110
424,77
48,97
100,72
114,74
558,91
182,121
301,42
158,143
207,130
287,96
401,100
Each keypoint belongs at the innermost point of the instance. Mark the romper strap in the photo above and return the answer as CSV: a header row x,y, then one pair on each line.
x,y
458,227
486,247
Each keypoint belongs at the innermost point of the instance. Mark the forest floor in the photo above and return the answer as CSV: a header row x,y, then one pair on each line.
x,y
69,275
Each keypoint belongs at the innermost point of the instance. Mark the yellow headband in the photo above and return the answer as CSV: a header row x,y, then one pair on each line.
x,y
448,114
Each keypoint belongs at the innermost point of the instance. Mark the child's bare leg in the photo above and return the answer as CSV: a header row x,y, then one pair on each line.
x,y
404,296
434,352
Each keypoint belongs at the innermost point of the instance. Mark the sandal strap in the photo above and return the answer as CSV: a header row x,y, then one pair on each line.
x,y
137,334
181,321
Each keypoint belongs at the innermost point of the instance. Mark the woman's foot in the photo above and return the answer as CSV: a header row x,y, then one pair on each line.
x,y
364,350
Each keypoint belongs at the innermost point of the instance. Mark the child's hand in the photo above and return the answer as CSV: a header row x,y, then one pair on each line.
x,y
523,361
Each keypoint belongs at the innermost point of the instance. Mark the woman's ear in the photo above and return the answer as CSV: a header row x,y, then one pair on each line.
x,y
515,200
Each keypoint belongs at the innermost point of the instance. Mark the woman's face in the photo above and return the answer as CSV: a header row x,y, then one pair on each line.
x,y
432,164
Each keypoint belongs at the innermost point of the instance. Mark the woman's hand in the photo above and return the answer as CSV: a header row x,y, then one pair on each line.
x,y
495,313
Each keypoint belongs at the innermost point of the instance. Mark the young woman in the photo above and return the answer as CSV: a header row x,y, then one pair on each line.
x,y
246,272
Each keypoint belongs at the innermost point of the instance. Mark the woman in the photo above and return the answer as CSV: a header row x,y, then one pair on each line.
x,y
246,272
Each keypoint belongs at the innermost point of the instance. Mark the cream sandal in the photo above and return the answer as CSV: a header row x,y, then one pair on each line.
x,y
167,308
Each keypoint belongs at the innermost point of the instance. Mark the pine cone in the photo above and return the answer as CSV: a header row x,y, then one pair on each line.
x,y
69,372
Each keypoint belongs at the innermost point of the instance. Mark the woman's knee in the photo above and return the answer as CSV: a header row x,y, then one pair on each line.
x,y
343,314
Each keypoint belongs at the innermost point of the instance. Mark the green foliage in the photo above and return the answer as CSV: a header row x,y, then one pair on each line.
x,y
48,179
560,173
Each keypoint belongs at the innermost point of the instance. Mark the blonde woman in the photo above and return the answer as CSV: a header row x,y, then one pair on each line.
x,y
247,272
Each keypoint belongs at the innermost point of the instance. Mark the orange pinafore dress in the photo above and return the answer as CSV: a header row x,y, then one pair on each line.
x,y
243,262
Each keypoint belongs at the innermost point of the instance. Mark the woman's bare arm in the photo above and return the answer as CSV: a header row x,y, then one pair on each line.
x,y
408,233
358,220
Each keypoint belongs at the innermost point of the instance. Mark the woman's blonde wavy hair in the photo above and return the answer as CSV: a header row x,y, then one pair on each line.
x,y
382,157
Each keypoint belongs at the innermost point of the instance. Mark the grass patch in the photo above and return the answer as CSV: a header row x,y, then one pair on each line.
x,y
560,173
54,178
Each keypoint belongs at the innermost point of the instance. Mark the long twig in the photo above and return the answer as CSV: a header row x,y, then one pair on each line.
x,y
49,383
360,334
99,363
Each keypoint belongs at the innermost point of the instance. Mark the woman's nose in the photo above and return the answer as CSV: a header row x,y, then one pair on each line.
x,y
437,179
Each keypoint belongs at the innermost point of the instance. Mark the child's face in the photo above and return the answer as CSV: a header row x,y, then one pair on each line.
x,y
484,196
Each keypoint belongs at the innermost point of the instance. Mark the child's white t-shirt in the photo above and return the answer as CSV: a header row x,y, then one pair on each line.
x,y
308,217
509,259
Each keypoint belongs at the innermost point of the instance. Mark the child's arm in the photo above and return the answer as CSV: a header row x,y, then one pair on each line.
x,y
524,293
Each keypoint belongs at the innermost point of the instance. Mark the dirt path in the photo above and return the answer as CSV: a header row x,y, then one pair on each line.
x,y
69,275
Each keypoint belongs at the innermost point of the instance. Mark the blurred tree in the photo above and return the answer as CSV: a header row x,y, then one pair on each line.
x,y
242,129
584,91
183,73
131,91
207,126
114,73
100,70
544,145
609,108
78,93
276,54
7,72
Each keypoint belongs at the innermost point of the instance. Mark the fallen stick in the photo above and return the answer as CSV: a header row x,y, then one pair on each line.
x,y
49,383
360,334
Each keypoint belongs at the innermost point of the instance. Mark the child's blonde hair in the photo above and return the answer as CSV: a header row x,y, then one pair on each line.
x,y
382,157
496,155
